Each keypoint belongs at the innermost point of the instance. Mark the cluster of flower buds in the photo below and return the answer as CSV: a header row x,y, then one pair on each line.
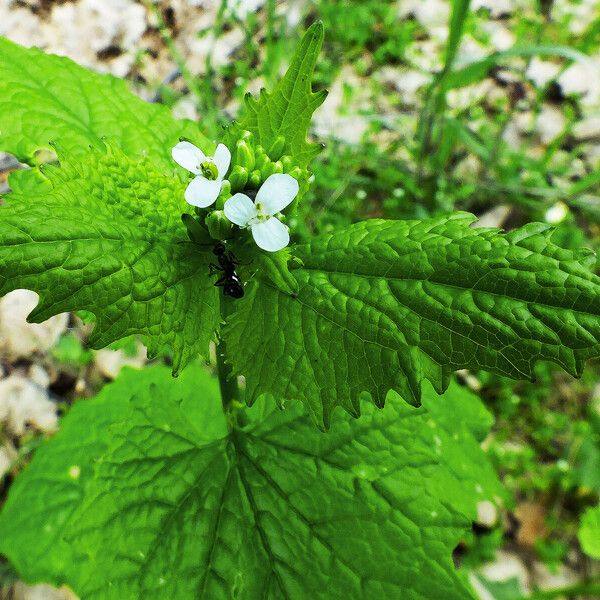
x,y
255,184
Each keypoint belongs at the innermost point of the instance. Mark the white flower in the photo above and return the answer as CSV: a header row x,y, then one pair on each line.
x,y
210,172
274,195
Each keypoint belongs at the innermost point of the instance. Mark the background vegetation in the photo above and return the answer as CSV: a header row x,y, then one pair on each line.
x,y
496,112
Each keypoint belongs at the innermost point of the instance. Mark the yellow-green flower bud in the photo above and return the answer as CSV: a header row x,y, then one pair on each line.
x,y
288,162
276,149
296,172
245,155
267,169
238,178
224,195
278,167
246,135
261,158
219,226
255,179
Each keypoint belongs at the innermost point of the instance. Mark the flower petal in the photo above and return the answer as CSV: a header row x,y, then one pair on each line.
x,y
222,159
189,157
239,209
277,192
270,235
202,192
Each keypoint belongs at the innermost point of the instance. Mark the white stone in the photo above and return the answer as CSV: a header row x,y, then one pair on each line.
x,y
581,79
487,513
551,580
23,403
505,566
550,123
541,72
22,591
587,128
110,362
7,456
19,338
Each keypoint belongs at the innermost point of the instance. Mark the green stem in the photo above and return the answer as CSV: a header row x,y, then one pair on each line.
x,y
227,381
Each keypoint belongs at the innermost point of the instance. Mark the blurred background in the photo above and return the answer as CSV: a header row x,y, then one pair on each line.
x,y
498,115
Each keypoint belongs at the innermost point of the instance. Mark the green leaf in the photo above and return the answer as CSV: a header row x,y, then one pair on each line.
x,y
287,111
105,236
178,507
45,98
589,532
387,304
479,69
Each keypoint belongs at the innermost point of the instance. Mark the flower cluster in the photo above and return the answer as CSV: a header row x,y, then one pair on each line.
x,y
260,215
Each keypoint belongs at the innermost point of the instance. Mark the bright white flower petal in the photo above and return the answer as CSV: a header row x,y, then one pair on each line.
x,y
276,193
222,159
189,157
270,235
239,209
202,192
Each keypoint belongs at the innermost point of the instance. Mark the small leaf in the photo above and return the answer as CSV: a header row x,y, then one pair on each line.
x,y
287,111
387,304
589,532
172,505
46,98
105,236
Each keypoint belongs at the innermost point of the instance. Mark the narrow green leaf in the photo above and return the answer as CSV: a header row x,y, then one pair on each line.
x,y
287,111
387,304
458,17
478,70
178,507
46,98
104,235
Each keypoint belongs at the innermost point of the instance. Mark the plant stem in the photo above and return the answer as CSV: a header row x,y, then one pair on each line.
x,y
227,382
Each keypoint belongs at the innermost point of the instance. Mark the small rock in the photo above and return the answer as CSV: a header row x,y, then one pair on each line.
x,y
19,338
550,123
7,456
587,129
22,591
23,403
110,362
507,565
542,72
550,580
487,514
557,213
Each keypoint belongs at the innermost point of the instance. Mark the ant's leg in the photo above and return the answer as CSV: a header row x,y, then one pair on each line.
x,y
222,281
212,269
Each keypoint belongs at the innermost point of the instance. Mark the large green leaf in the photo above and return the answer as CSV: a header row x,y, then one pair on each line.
x,y
180,507
386,304
287,111
45,98
105,235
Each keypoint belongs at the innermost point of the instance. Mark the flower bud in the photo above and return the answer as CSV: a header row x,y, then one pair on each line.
x,y
277,167
224,195
246,135
267,170
296,172
219,226
255,179
261,158
276,149
238,178
288,163
245,155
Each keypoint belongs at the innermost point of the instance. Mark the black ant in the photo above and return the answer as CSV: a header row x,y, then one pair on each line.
x,y
230,282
